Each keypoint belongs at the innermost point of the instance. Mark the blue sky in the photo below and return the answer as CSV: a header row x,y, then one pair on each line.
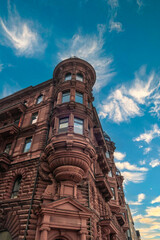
x,y
120,38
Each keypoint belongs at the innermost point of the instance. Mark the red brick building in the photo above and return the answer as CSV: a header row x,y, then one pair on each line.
x,y
58,179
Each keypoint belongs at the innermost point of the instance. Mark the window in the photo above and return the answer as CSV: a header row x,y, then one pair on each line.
x,y
107,154
79,97
16,187
68,76
79,77
17,121
78,125
65,96
113,191
110,174
25,103
89,103
63,125
27,144
7,148
39,99
34,118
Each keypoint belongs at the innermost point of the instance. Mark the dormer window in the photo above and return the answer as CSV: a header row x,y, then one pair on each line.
x,y
39,99
79,97
65,96
79,77
68,77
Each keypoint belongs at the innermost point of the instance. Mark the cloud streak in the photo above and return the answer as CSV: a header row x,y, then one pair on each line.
x,y
90,48
139,201
21,36
119,156
149,135
127,101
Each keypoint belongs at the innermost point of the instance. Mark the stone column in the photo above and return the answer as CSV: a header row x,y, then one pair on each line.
x,y
44,232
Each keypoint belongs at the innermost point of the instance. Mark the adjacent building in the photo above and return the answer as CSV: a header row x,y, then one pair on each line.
x,y
58,179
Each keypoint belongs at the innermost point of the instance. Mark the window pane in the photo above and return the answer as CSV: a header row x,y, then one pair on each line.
x,y
34,117
63,125
5,235
27,144
78,125
39,99
79,97
7,148
107,155
65,97
17,121
113,191
79,77
16,187
68,77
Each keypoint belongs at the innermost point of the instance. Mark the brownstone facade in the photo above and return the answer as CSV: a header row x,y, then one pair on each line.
x,y
58,179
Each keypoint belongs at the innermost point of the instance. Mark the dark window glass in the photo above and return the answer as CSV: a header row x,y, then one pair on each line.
x,y
107,155
25,103
39,99
63,125
68,77
16,187
113,191
7,148
34,118
65,97
89,104
27,144
79,77
78,125
17,121
79,97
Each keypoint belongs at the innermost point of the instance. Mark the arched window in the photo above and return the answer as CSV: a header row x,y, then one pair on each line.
x,y
39,99
5,235
16,187
68,76
79,77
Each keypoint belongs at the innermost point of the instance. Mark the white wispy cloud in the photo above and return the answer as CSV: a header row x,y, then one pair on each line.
x,y
147,150
119,106
90,48
155,163
20,35
142,162
119,156
130,167
139,201
8,89
135,177
156,200
153,211
113,24
127,101
149,135
140,3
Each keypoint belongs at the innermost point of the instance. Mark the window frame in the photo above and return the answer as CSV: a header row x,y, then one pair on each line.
x,y
39,97
79,97
35,113
79,77
77,122
64,129
63,97
7,144
25,145
114,193
15,189
68,74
